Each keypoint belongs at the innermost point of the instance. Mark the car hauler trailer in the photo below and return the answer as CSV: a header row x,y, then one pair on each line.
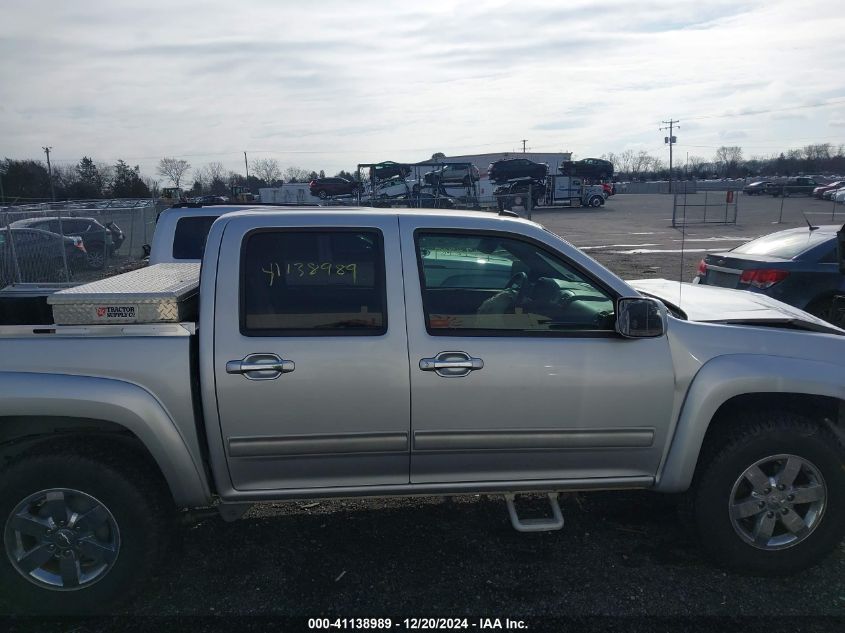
x,y
550,192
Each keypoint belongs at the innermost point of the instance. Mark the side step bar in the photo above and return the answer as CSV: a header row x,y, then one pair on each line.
x,y
555,522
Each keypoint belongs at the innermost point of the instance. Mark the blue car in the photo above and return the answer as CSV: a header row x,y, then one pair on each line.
x,y
797,266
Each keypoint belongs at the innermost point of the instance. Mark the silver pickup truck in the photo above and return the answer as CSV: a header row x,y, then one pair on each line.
x,y
364,352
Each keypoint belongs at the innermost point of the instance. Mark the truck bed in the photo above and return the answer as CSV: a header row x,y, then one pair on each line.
x,y
159,358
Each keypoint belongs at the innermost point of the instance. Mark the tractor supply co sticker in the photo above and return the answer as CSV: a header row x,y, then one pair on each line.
x,y
116,312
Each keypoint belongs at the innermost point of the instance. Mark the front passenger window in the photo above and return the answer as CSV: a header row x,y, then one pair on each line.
x,y
489,283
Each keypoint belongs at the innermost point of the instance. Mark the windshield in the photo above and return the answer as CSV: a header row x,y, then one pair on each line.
x,y
782,245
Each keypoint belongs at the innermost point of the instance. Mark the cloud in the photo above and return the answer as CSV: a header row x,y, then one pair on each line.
x,y
326,85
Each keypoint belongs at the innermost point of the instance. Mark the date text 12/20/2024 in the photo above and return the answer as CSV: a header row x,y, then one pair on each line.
x,y
413,624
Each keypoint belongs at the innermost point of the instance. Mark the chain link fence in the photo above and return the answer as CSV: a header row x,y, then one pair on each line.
x,y
720,207
73,242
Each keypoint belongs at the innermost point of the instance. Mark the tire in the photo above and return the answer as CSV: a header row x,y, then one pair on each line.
x,y
133,530
770,440
595,202
323,195
95,257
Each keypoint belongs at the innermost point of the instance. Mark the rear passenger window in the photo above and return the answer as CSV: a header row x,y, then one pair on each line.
x,y
190,236
313,283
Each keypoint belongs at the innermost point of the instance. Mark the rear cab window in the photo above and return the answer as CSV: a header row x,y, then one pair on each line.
x,y
190,236
328,282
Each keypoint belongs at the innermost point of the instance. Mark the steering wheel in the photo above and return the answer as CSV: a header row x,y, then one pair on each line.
x,y
518,282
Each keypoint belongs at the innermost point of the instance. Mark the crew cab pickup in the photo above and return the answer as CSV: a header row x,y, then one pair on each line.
x,y
366,352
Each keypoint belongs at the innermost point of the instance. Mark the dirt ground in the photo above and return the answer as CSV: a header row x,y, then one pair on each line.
x,y
633,236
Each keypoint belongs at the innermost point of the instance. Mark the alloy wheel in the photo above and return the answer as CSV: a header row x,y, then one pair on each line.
x,y
62,539
777,502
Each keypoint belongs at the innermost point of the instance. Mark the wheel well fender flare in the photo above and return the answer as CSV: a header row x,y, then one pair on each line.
x,y
118,402
726,377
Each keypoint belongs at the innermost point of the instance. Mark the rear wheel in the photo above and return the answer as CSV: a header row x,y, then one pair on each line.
x,y
80,531
771,498
95,256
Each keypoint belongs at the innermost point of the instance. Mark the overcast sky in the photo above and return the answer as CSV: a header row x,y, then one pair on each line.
x,y
326,85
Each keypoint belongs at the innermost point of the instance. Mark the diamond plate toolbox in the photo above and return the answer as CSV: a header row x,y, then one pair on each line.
x,y
163,293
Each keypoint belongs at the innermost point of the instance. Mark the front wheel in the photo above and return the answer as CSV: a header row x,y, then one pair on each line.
x,y
323,195
771,499
81,531
596,201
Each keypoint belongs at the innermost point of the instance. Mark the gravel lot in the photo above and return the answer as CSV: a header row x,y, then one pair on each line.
x,y
620,554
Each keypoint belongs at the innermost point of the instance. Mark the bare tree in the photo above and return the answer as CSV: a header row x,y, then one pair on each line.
x,y
656,164
613,159
296,174
174,169
152,185
695,164
821,151
215,170
626,160
267,169
640,162
729,158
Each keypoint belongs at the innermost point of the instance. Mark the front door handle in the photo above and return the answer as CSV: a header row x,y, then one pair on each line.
x,y
260,366
451,364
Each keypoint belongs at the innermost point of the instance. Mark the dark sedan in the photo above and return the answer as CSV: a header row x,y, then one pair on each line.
x,y
510,168
797,266
389,169
757,188
327,187
100,240
32,255
592,168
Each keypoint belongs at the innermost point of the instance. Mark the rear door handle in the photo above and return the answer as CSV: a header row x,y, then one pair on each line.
x,y
451,364
260,366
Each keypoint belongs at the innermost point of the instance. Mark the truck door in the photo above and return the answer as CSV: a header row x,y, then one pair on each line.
x,y
516,371
310,358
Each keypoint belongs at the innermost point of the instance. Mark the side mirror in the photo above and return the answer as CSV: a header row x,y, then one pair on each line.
x,y
640,317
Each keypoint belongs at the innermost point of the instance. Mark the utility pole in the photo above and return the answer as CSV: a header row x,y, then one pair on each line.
x,y
59,214
524,141
50,173
670,140
246,167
